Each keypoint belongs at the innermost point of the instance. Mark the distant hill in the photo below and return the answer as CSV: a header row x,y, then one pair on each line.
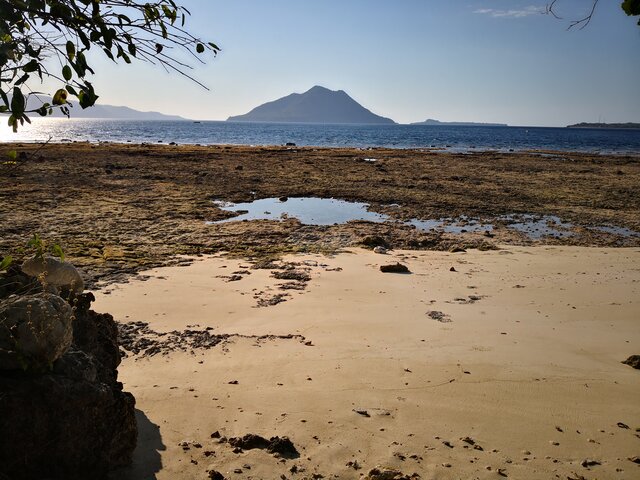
x,y
103,112
619,126
318,105
431,121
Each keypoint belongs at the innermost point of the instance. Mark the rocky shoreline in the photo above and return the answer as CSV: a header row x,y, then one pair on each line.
x,y
118,209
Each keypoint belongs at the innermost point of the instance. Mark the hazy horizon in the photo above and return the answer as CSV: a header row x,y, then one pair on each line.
x,y
482,61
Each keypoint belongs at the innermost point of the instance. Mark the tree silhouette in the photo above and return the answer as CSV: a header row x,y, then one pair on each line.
x,y
49,38
631,8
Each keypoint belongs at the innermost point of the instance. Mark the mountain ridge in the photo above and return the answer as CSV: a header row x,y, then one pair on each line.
x,y
99,111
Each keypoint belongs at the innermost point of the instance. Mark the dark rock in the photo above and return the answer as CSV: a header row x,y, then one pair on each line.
x,y
35,331
249,442
73,421
586,463
281,446
215,475
394,268
372,241
633,361
283,199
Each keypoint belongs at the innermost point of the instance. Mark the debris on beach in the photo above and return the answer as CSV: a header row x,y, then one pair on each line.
x,y
387,473
273,300
439,316
138,339
298,275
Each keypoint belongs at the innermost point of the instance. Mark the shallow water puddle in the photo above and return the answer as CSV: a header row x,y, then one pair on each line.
x,y
309,210
451,225
331,211
538,226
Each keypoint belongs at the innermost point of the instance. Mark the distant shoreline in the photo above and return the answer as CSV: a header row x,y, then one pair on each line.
x,y
607,126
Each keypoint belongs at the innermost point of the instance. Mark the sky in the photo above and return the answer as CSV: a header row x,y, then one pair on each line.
x,y
451,60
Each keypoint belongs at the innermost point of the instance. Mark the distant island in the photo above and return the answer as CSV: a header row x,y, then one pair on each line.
x,y
618,126
317,105
431,121
117,113
103,111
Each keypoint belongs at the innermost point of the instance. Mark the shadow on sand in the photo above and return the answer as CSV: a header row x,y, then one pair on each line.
x,y
146,457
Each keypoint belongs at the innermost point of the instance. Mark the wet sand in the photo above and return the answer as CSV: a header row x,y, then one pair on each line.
x,y
507,366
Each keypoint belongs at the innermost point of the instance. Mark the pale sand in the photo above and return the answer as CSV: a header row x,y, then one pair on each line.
x,y
543,355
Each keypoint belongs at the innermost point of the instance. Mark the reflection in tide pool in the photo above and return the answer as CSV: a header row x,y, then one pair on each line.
x,y
309,210
452,225
539,226
331,211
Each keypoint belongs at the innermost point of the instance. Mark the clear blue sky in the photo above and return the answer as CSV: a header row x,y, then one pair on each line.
x,y
462,60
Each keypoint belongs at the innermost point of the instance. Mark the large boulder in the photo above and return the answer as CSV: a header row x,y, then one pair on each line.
x,y
73,420
53,272
35,330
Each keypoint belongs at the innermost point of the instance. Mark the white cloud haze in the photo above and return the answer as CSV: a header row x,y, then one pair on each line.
x,y
514,13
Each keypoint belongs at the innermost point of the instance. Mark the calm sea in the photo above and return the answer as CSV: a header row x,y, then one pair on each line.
x,y
454,138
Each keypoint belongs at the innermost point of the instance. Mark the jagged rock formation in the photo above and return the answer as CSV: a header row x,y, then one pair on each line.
x,y
71,421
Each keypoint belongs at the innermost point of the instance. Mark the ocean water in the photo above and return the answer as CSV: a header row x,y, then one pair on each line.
x,y
452,138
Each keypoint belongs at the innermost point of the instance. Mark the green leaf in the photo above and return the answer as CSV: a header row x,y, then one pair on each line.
x,y
18,103
32,66
60,97
631,7
6,261
66,72
57,251
12,154
71,50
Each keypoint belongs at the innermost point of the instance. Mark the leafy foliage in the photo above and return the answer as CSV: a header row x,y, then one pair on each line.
x,y
51,38
5,263
632,8
40,247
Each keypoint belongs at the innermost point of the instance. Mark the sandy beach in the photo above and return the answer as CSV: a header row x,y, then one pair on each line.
x,y
492,364
498,355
